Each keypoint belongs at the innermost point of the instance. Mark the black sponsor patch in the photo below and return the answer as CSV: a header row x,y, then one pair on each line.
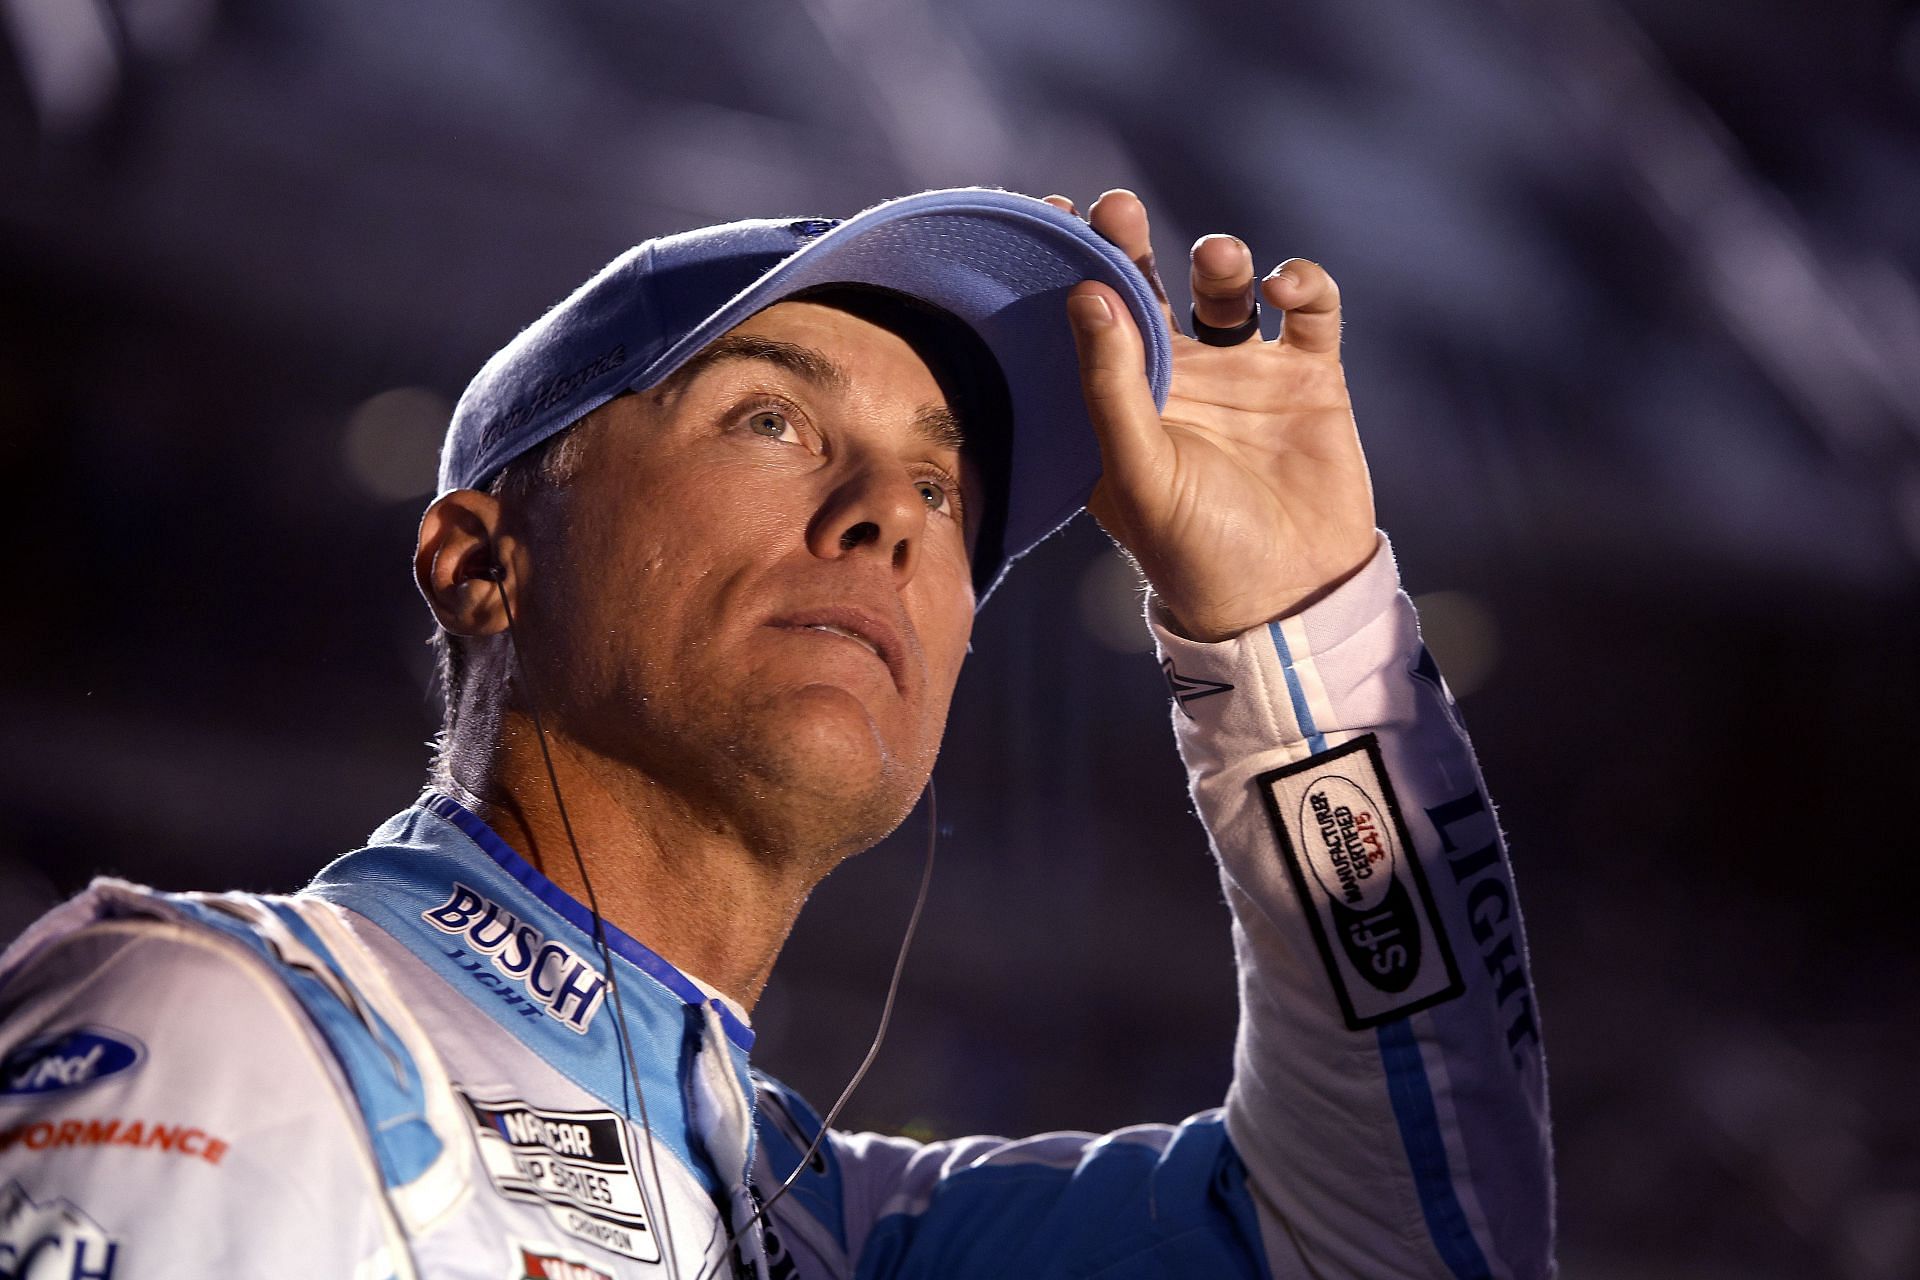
x,y
578,1164
1353,864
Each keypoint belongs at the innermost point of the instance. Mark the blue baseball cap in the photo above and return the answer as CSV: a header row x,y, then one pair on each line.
x,y
1000,263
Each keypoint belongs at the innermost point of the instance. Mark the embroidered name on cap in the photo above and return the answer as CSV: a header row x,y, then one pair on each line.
x,y
546,394
1351,860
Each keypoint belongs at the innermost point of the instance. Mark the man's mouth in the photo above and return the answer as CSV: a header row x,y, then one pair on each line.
x,y
855,636
870,632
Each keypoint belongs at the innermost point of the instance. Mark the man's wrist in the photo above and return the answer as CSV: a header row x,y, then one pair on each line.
x,y
1359,594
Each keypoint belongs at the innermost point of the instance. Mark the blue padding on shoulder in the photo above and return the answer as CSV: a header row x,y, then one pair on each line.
x,y
382,1074
1127,1211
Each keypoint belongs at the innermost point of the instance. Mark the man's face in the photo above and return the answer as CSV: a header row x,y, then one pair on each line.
x,y
755,590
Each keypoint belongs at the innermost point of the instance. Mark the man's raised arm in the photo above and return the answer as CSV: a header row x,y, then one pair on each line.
x,y
1389,1094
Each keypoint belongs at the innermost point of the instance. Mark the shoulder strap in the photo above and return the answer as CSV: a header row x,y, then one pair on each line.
x,y
383,1075
394,1077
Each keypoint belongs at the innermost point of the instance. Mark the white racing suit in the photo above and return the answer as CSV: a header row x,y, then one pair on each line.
x,y
415,1066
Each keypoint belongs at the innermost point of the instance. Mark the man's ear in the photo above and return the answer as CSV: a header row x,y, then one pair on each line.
x,y
462,563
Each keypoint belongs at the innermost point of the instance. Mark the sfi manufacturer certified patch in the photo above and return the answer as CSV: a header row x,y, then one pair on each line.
x,y
578,1164
1351,860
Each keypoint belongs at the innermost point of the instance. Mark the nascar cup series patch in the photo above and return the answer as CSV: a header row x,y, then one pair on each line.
x,y
576,1164
1351,860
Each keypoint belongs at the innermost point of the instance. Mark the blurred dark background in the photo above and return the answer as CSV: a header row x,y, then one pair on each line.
x,y
1635,339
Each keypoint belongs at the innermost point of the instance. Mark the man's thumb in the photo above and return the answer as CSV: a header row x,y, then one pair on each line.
x,y
1113,376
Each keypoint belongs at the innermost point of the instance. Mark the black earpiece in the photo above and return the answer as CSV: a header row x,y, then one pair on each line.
x,y
492,570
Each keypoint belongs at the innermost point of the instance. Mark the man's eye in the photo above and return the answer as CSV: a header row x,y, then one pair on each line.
x,y
773,425
935,495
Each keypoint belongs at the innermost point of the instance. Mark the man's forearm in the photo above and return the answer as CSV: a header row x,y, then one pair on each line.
x,y
1389,1095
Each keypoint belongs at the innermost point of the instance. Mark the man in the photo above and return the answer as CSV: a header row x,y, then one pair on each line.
x,y
708,547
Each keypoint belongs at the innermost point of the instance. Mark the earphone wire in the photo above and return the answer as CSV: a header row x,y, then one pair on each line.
x,y
629,1066
613,984
873,1049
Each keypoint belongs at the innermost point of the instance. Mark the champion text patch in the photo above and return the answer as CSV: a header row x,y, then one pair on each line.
x,y
1353,864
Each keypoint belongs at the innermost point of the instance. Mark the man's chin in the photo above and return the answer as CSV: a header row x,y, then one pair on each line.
x,y
829,764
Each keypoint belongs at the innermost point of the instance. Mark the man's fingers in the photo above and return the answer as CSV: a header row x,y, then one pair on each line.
x,y
1122,219
1222,281
1061,203
1310,300
1113,377
1224,289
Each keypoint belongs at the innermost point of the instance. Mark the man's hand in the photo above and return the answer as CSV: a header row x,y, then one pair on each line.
x,y
1247,498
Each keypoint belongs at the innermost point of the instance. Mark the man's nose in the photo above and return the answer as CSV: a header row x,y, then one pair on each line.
x,y
876,509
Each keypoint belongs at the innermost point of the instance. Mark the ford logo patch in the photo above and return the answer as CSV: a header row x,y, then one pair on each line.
x,y
68,1060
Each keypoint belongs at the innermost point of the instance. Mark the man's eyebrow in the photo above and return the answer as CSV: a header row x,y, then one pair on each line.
x,y
938,426
802,361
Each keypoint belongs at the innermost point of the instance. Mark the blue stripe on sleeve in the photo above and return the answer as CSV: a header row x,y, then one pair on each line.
x,y
1427,1152
1302,715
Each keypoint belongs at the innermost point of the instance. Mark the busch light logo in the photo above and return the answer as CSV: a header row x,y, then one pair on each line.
x,y
566,986
52,1241
69,1060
